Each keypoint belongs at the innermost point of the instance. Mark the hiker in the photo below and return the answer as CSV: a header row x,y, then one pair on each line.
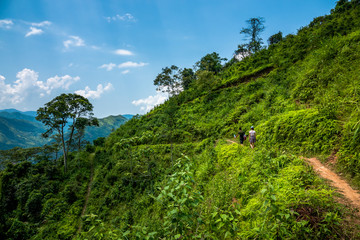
x,y
252,135
241,136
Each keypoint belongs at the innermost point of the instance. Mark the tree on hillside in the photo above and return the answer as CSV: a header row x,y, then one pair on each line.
x,y
252,33
169,80
174,79
242,51
211,62
277,37
64,109
187,78
80,126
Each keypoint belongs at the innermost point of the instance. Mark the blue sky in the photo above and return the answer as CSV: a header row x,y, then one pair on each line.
x,y
110,51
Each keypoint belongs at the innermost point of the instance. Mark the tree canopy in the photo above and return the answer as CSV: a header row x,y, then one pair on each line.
x,y
169,80
211,62
66,108
187,78
252,34
277,37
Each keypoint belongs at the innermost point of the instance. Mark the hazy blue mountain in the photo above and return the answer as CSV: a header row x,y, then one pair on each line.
x,y
128,116
21,129
17,115
12,110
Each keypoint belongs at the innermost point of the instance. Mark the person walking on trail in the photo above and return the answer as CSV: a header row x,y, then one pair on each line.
x,y
241,136
252,135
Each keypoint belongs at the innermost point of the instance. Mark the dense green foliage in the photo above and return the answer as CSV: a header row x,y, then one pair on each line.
x,y
172,173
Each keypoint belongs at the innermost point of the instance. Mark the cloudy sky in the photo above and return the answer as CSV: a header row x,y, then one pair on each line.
x,y
110,51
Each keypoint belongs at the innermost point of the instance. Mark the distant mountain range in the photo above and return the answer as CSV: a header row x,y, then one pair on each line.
x,y
21,129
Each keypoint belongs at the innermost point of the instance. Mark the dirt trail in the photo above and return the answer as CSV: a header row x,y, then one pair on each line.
x,y
339,184
231,141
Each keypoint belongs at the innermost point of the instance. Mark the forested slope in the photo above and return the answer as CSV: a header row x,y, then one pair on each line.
x,y
171,174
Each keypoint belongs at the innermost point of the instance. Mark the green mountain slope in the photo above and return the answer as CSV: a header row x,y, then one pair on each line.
x,y
21,129
172,174
20,133
106,126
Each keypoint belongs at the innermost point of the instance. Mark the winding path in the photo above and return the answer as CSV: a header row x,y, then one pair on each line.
x,y
339,184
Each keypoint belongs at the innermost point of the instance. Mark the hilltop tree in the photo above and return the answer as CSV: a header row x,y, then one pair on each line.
x,y
252,33
210,62
58,112
277,37
187,78
169,80
174,79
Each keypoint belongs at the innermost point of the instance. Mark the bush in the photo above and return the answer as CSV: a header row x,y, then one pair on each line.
x,y
303,131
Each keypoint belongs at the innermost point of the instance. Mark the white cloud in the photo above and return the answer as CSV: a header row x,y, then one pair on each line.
x,y
52,83
150,102
41,24
108,67
5,23
74,41
127,17
88,93
111,66
27,84
34,31
132,64
123,52
17,92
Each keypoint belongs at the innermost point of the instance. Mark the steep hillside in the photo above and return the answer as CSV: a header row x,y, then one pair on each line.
x,y
172,173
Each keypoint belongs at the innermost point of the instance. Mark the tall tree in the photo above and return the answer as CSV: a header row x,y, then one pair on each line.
x,y
169,80
64,109
252,33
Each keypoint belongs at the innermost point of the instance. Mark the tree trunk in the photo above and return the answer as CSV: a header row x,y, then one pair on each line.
x,y
71,135
79,144
64,148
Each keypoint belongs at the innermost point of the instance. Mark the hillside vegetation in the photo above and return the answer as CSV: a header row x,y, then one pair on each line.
x,y
172,174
